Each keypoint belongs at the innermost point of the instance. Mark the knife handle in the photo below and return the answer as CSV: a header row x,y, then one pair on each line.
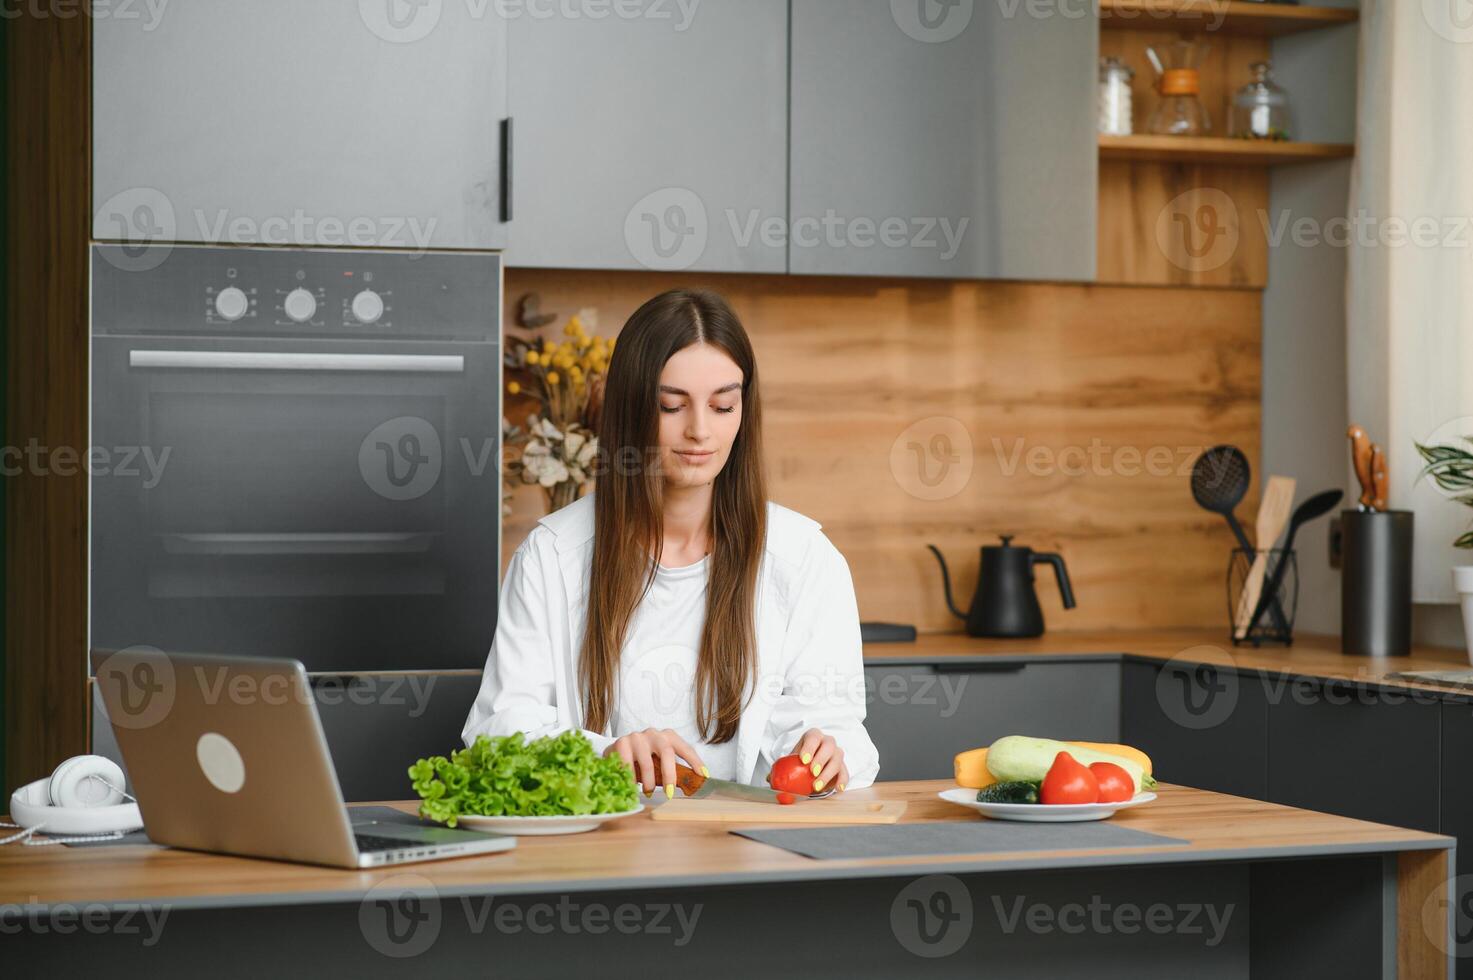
x,y
688,780
1360,457
1380,478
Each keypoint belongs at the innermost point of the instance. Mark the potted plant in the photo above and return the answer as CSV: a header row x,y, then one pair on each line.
x,y
558,387
1451,468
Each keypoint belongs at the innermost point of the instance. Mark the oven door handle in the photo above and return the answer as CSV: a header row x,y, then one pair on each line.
x,y
230,360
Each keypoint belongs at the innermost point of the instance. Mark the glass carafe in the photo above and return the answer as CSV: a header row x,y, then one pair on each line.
x,y
1180,111
1260,108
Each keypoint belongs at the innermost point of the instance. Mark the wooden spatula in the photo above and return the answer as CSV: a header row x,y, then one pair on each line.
x,y
1273,514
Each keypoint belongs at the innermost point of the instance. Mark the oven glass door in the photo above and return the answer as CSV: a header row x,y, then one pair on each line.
x,y
334,505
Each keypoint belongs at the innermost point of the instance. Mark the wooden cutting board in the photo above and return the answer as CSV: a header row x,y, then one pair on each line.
x,y
817,811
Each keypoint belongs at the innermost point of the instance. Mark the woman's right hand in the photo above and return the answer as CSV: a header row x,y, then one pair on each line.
x,y
652,754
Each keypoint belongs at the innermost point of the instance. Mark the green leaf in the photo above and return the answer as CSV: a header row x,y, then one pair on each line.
x,y
508,776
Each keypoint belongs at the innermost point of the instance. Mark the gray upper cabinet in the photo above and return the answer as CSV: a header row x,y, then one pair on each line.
x,y
283,122
952,140
655,141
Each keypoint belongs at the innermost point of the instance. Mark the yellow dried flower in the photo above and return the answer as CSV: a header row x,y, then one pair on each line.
x,y
531,357
514,387
552,377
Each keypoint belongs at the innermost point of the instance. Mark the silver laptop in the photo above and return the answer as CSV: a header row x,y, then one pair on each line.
x,y
226,754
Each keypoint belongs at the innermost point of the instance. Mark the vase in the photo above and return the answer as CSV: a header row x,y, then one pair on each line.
x,y
560,495
1463,583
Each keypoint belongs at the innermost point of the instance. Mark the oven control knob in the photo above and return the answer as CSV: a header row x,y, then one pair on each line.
x,y
300,305
231,303
368,306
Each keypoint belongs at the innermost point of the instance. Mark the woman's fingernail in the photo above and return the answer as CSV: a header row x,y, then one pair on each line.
x,y
817,769
841,787
670,791
705,772
807,757
817,785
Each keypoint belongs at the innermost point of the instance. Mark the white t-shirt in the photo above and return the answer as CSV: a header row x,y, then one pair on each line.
x,y
657,664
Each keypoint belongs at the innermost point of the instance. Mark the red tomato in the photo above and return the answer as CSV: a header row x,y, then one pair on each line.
x,y
1116,786
786,799
1068,782
790,775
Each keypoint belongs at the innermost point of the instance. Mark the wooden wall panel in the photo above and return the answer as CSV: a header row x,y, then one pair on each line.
x,y
1064,391
48,109
1177,224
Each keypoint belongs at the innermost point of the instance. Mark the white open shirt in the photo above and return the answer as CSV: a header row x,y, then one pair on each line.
x,y
810,662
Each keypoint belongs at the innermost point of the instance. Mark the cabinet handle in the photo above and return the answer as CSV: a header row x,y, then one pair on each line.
x,y
978,667
506,158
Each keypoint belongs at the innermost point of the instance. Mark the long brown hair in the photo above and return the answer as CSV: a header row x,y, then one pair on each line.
x,y
629,522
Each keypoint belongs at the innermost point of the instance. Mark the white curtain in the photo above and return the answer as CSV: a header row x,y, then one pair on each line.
x,y
1409,295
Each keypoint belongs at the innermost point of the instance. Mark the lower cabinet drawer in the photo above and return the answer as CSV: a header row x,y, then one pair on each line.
x,y
920,715
1356,751
1202,726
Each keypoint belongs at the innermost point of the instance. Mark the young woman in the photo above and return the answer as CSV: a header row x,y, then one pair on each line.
x,y
676,615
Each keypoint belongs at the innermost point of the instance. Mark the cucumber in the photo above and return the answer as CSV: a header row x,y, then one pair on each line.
x,y
1011,792
1019,758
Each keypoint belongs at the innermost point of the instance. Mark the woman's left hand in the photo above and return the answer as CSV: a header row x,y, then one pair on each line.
x,y
824,758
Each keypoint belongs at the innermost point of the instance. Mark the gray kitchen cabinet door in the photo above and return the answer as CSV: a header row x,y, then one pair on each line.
x,y
378,725
1356,751
656,141
920,715
1457,821
1201,726
953,140
280,122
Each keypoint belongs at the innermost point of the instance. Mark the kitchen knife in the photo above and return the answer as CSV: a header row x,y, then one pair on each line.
x,y
1380,478
1360,457
698,787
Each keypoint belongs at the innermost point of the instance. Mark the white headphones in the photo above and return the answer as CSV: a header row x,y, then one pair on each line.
x,y
84,795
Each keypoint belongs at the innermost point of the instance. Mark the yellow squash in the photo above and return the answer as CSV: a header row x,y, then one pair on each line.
x,y
971,765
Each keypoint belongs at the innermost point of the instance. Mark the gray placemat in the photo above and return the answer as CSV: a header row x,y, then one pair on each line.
x,y
952,838
356,815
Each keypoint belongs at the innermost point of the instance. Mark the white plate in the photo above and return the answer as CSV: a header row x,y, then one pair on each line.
x,y
543,826
1039,812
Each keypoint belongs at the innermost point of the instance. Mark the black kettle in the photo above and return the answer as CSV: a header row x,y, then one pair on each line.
x,y
1005,603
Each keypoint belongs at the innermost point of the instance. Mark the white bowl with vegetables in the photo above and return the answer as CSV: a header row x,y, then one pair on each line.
x,y
1040,780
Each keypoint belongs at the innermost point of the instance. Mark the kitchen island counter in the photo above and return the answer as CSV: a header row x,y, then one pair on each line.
x,y
1373,884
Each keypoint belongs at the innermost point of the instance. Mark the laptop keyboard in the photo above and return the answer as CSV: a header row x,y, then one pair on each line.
x,y
368,843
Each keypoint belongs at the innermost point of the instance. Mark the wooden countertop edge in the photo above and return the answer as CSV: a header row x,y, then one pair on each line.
x,y
822,871
1311,656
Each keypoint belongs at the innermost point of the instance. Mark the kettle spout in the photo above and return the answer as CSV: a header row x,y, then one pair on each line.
x,y
946,581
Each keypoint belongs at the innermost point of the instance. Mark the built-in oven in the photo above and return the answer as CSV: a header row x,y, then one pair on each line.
x,y
296,453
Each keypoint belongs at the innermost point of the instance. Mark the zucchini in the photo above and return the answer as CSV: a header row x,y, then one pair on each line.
x,y
1019,757
1016,791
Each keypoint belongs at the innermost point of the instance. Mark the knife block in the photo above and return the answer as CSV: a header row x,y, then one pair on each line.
x,y
1376,583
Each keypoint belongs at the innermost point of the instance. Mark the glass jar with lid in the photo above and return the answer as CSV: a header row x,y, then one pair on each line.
x,y
1115,97
1260,108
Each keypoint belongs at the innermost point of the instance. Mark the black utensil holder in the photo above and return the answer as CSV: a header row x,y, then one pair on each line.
x,y
1376,583
1269,628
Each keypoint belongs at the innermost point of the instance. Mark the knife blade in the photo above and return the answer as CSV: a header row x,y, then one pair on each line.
x,y
698,787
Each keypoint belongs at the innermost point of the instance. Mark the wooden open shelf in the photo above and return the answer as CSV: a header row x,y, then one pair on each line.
x,y
1218,149
1220,16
